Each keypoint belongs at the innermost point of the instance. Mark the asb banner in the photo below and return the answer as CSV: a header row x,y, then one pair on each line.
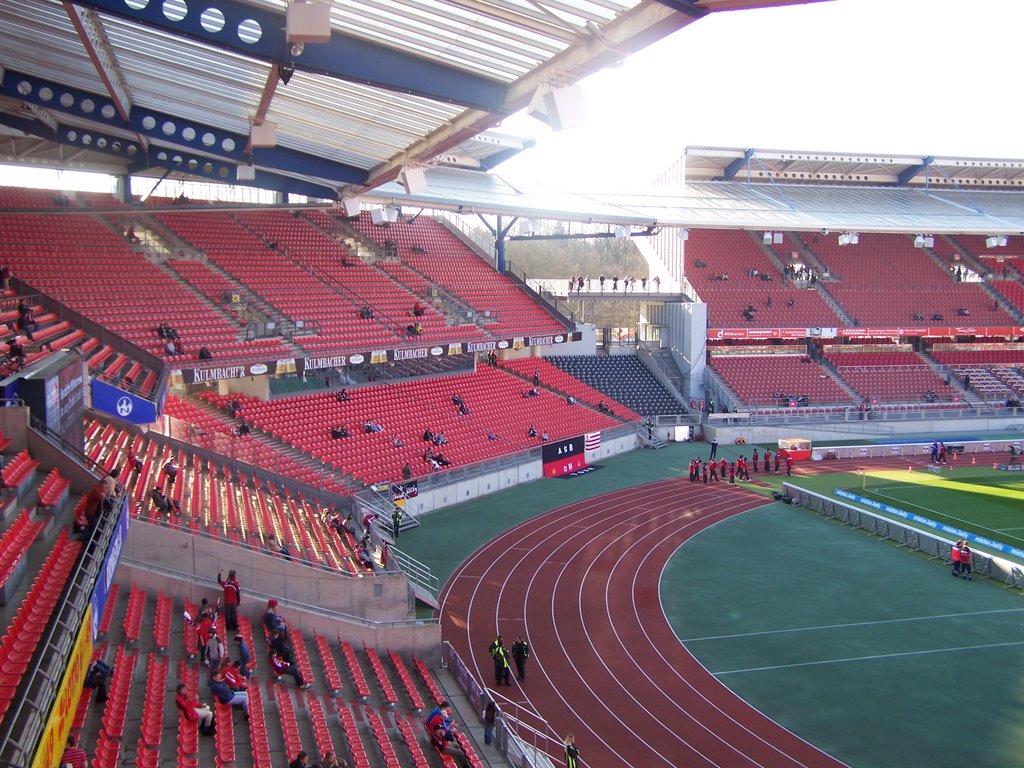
x,y
563,457
123,405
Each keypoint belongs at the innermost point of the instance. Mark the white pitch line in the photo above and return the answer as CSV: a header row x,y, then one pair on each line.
x,y
869,658
852,624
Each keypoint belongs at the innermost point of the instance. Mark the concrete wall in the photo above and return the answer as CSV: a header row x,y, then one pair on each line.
x,y
14,425
587,345
254,386
381,598
421,638
875,430
466,490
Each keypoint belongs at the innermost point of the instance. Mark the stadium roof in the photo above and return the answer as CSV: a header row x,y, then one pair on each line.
x,y
176,86
754,189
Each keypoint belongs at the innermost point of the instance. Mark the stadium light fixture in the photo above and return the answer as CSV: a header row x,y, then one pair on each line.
x,y
919,241
844,238
1001,241
684,234
995,241
526,227
929,241
767,238
777,238
621,232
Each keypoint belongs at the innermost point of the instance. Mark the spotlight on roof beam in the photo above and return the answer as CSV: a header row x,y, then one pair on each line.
x,y
767,238
854,238
414,179
919,241
844,238
929,241
350,206
995,241
621,232
777,238
285,72
560,108
245,173
684,234
1001,241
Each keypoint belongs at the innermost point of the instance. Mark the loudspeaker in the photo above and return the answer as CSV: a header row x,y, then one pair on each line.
x,y
413,179
264,135
351,206
308,22
246,173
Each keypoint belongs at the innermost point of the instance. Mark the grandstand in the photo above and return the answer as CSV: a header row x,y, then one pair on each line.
x,y
823,293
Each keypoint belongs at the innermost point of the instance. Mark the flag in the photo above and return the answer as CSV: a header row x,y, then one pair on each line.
x,y
592,441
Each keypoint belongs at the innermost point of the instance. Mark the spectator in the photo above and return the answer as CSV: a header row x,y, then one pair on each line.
x,y
73,755
5,276
26,320
570,400
341,396
231,600
194,710
441,716
96,679
441,460
224,694
603,408
407,472
170,348
442,746
301,761
419,309
428,436
282,667
279,643
332,761
396,441
490,716
214,650
244,656
89,512
271,619
340,432
16,351
544,437
171,470
531,432
366,312
160,500
204,353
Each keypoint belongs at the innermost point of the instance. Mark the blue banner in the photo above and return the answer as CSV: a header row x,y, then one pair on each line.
x,y
1006,549
110,562
123,405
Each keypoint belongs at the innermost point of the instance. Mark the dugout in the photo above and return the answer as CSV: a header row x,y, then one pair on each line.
x,y
797,447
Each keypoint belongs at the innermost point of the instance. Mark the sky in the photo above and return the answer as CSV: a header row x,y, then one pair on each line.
x,y
918,77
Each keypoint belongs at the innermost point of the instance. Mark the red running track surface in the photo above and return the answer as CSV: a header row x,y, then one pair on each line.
x,y
582,583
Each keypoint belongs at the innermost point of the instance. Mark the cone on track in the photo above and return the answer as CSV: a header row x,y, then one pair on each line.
x,y
973,460
910,468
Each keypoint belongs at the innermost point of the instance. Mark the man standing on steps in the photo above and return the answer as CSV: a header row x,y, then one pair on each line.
x,y
396,521
232,599
714,448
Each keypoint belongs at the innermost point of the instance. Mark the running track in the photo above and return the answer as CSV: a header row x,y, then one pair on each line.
x,y
582,583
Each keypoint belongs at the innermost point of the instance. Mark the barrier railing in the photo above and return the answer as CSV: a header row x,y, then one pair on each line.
x,y
523,745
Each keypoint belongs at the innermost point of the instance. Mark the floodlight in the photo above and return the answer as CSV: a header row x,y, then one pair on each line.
x,y
351,206
414,179
1001,241
777,238
844,238
854,238
684,234
929,241
245,172
919,241
621,232
767,238
526,227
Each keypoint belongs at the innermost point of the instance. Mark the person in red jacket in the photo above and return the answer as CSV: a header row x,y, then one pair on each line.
x,y
954,554
232,599
965,561
789,465
193,710
282,667
753,459
767,460
723,465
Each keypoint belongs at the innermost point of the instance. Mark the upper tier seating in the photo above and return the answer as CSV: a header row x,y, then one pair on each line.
x,y
891,376
734,254
886,281
109,283
429,248
294,291
364,285
407,409
624,378
778,380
